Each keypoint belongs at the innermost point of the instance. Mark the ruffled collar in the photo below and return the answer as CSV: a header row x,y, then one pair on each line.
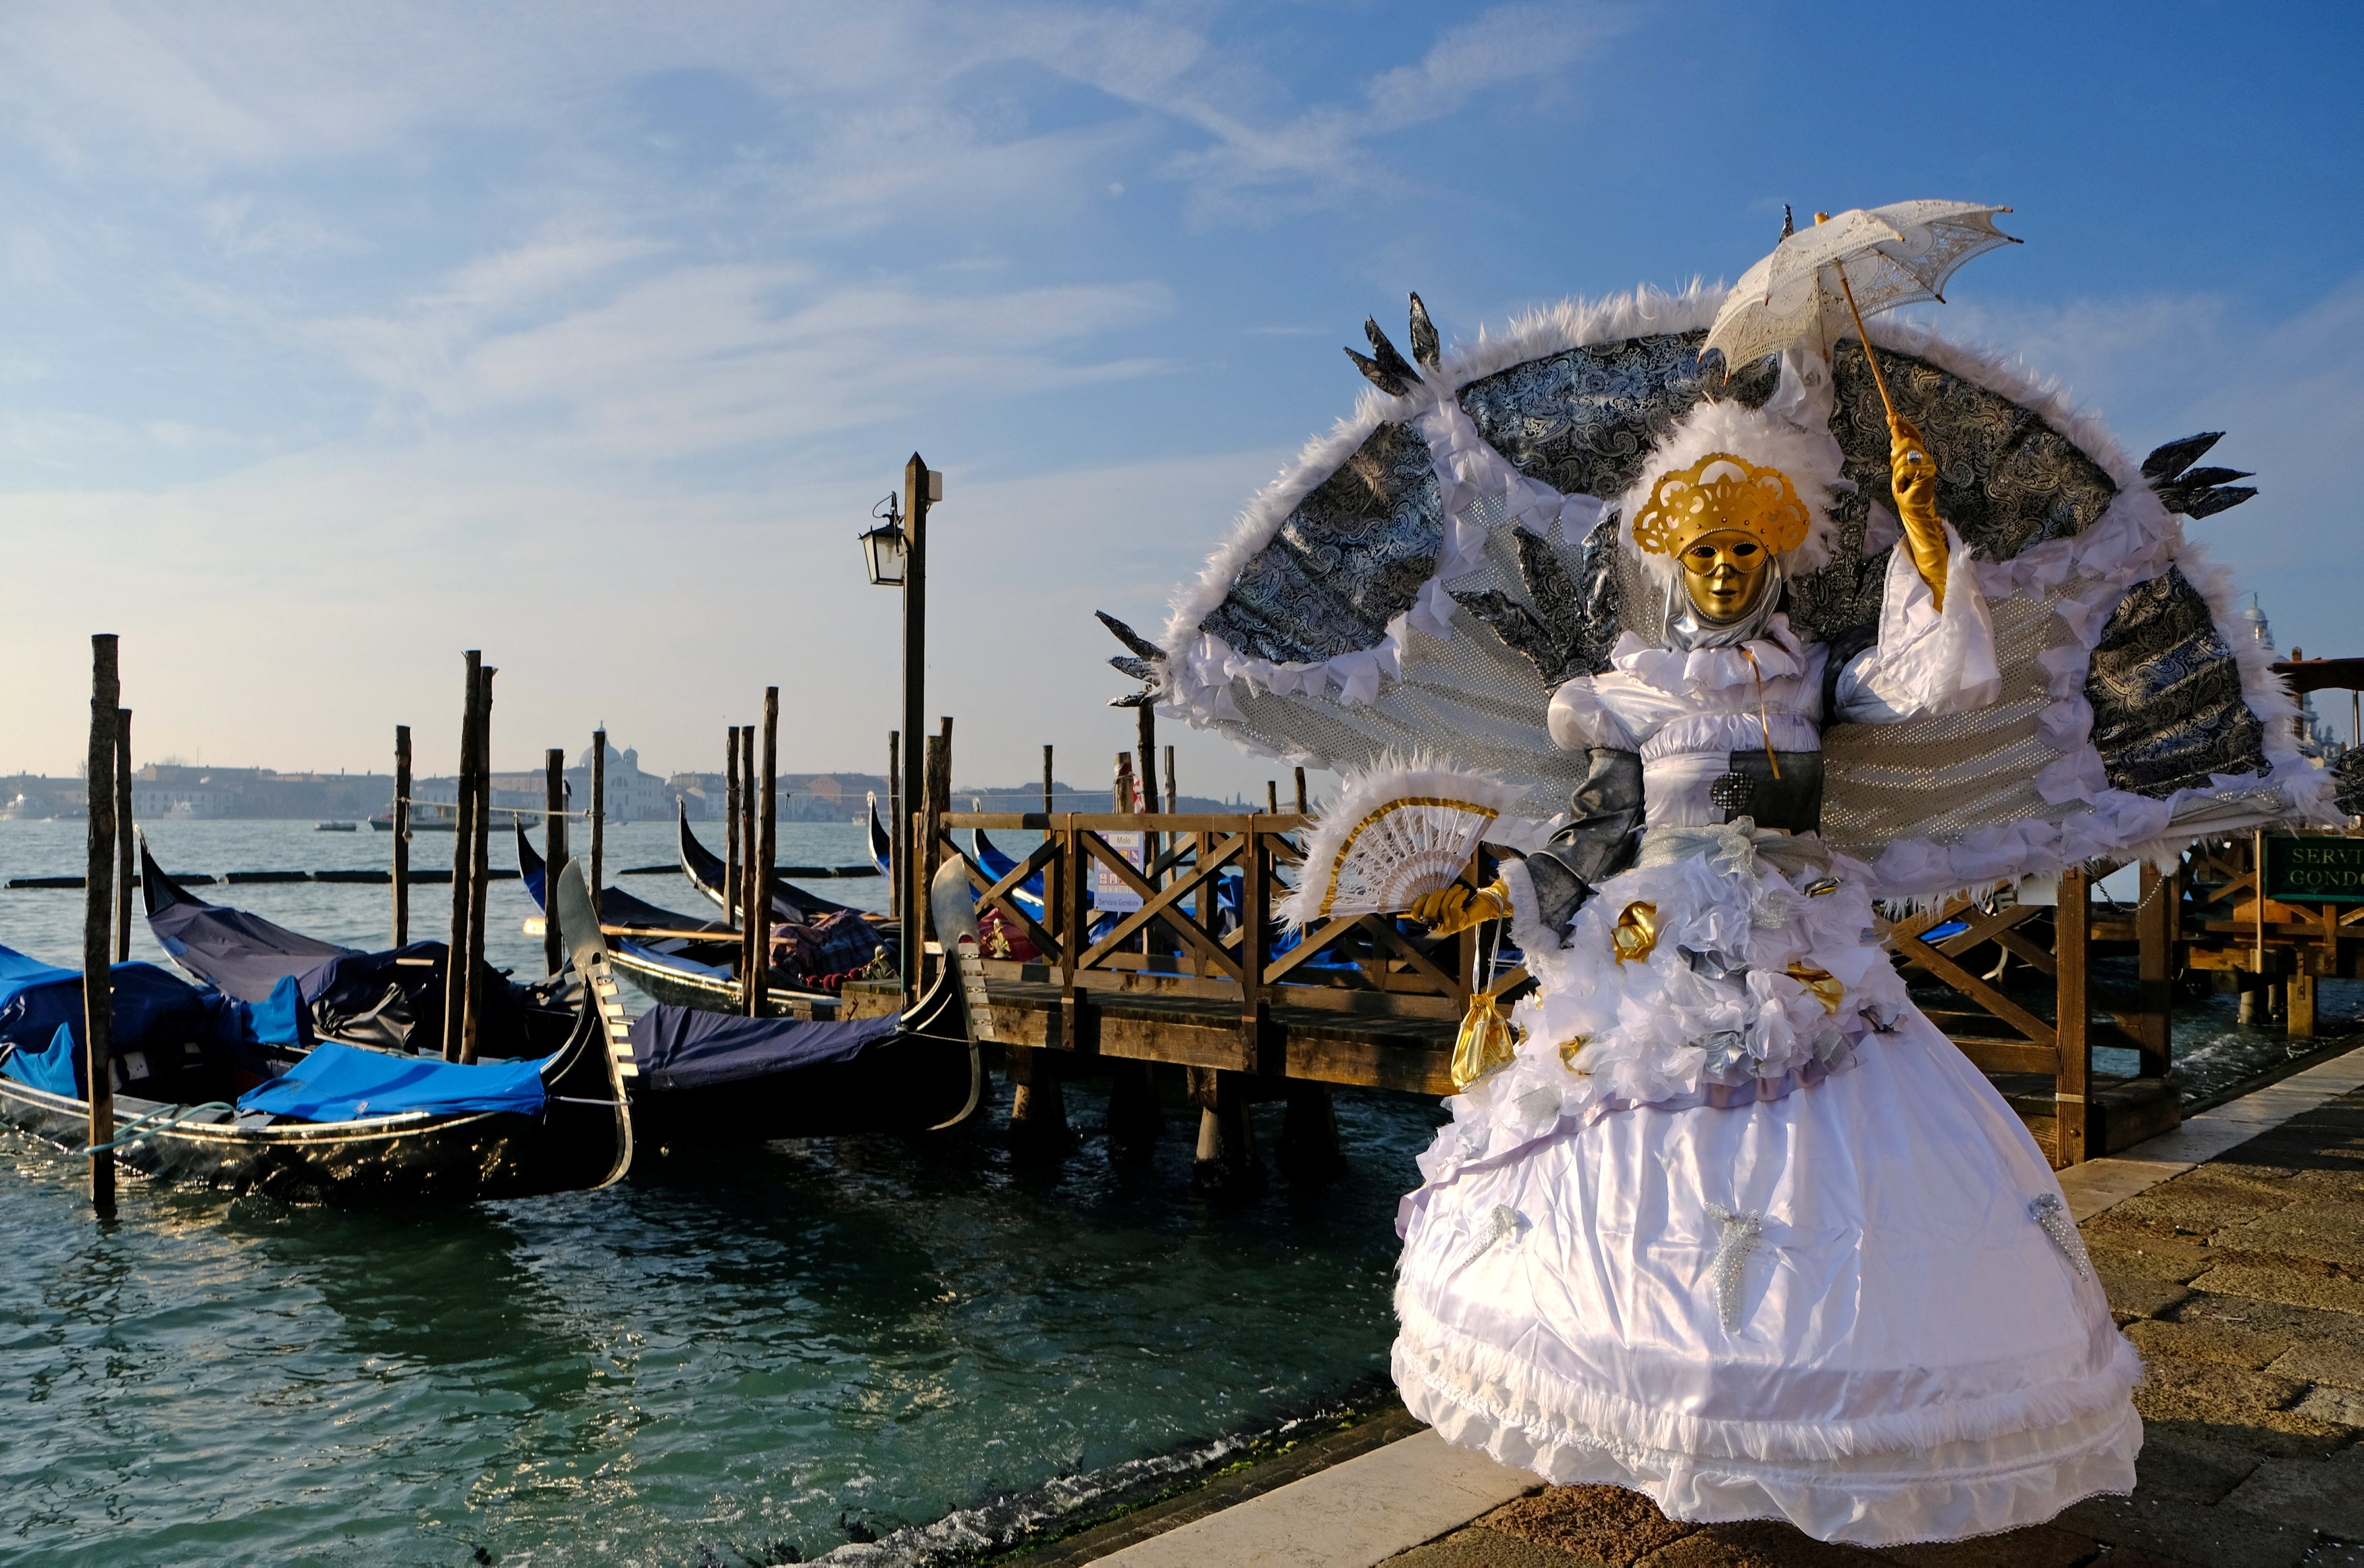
x,y
1777,652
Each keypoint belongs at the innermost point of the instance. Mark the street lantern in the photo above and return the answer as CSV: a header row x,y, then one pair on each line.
x,y
887,549
898,558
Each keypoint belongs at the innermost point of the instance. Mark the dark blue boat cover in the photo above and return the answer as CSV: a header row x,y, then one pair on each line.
x,y
153,1008
245,955
345,1082
680,1048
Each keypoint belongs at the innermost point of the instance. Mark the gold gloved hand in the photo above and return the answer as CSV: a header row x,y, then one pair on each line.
x,y
1913,479
1455,907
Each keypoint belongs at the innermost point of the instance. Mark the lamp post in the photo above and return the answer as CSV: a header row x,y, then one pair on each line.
x,y
896,556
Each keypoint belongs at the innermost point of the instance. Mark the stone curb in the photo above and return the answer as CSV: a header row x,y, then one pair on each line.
x,y
1363,1511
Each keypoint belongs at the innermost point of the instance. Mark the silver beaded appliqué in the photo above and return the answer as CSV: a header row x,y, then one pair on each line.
x,y
2053,1215
1504,1222
1740,1232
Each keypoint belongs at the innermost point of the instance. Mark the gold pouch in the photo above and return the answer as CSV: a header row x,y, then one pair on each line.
x,y
1487,1041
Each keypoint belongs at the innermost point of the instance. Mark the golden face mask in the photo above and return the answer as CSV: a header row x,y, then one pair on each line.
x,y
1724,572
1721,495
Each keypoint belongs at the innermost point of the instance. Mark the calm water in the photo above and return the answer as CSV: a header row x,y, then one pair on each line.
x,y
712,1364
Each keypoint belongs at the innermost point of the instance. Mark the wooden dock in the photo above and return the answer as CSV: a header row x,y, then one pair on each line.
x,y
1363,1004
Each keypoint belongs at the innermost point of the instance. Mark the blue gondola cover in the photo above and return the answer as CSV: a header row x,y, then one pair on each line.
x,y
680,1048
345,1082
50,1071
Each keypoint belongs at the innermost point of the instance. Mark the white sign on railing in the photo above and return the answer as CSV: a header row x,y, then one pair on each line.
x,y
1110,893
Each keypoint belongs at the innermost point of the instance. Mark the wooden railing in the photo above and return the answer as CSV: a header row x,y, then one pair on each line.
x,y
2000,1034
2229,928
1180,943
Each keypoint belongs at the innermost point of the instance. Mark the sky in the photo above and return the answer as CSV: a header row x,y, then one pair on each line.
x,y
336,338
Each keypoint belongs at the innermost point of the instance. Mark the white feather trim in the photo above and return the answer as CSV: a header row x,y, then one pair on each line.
x,y
1363,796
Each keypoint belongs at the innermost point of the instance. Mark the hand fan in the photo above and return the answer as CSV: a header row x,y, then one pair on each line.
x,y
1392,834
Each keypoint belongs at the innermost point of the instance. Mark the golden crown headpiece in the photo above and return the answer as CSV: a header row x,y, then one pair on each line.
x,y
1721,490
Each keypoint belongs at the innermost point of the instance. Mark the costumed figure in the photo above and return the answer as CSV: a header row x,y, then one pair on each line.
x,y
1735,657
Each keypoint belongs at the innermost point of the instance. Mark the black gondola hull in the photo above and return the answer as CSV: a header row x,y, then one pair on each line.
x,y
903,1083
404,1160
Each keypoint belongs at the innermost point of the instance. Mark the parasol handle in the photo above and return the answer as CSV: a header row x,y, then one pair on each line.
x,y
1865,339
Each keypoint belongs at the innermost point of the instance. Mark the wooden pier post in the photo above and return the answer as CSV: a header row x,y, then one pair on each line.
x,y
1173,799
1272,797
732,903
759,995
463,878
1226,1166
928,831
1046,781
2155,921
1038,1103
2073,919
401,835
98,909
1309,1152
747,973
480,868
554,854
895,856
124,869
1302,808
1134,1117
599,812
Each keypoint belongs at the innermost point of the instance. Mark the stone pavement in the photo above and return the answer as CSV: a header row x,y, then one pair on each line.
x,y
2232,1254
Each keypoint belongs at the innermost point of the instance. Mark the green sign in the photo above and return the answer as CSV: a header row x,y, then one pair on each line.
x,y
2315,870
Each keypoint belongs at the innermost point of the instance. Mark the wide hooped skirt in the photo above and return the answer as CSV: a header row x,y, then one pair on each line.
x,y
1856,1308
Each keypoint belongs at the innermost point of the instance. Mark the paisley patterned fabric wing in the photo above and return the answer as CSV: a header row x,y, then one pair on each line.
x,y
1583,421
1349,558
2167,710
2005,479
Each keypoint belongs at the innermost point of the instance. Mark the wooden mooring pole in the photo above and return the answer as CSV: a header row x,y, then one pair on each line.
x,y
759,908
599,812
747,975
98,909
124,868
730,901
401,835
480,869
1046,781
464,846
894,825
554,854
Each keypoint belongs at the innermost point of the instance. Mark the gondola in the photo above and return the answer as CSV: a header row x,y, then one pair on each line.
x,y
681,972
336,1124
708,872
698,1075
361,997
706,1078
882,845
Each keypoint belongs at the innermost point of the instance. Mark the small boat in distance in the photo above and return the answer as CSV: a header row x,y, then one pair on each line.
x,y
444,822
337,828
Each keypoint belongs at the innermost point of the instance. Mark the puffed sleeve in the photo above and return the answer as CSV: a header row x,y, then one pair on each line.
x,y
1925,660
1579,721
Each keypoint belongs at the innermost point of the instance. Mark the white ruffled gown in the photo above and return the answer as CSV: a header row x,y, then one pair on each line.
x,y
1754,1247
